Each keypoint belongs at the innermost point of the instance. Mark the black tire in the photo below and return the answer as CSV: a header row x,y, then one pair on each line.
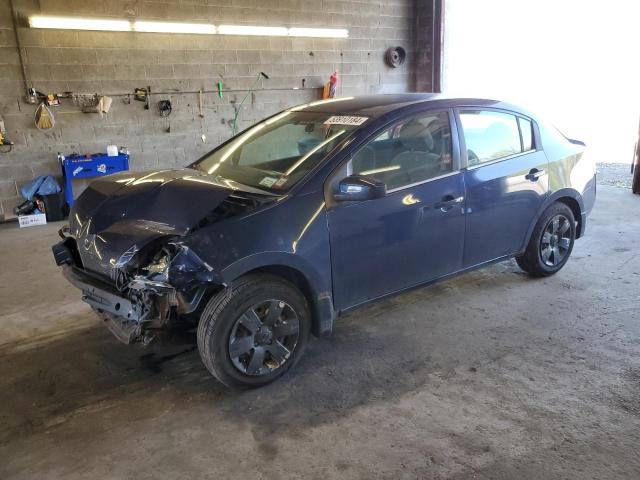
x,y
224,316
538,260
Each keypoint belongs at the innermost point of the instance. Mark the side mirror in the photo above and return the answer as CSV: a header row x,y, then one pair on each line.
x,y
357,187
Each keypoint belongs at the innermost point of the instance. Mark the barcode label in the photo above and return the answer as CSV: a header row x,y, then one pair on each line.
x,y
346,120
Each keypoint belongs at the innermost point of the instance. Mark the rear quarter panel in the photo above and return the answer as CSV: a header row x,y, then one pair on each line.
x,y
571,170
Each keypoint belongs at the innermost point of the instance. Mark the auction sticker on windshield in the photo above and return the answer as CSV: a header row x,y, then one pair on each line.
x,y
345,120
267,181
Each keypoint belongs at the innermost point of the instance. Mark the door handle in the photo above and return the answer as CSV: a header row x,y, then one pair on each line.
x,y
534,174
448,202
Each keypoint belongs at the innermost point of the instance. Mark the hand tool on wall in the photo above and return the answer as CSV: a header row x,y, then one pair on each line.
x,y
4,141
143,95
238,107
164,107
200,101
140,94
53,100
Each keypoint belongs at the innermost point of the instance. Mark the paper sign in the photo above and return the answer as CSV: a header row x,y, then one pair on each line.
x,y
346,120
267,181
31,220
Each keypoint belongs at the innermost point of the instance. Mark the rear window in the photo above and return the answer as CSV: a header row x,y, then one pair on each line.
x,y
489,135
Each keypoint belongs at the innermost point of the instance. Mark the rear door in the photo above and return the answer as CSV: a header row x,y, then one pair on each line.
x,y
506,181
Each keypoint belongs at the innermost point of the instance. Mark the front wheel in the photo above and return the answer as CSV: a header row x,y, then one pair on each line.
x,y
551,242
253,332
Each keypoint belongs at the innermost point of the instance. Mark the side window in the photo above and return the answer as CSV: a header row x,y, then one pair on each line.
x,y
489,135
527,134
409,152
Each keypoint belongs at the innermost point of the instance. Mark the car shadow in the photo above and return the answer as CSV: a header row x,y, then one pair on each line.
x,y
88,376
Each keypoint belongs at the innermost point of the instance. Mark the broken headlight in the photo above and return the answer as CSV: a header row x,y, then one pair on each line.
x,y
158,269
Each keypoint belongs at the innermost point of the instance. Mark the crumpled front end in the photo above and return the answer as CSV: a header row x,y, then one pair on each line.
x,y
126,247
146,293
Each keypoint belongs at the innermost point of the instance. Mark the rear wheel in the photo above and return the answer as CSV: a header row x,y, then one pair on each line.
x,y
253,332
551,242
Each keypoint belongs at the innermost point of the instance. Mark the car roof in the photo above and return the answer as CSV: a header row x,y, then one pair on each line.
x,y
375,106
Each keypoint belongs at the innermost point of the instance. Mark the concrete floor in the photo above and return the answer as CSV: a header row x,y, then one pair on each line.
x,y
491,375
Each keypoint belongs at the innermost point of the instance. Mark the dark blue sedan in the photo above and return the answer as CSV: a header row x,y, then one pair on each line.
x,y
318,210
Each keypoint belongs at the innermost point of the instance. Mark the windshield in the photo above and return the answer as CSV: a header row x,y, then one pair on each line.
x,y
275,154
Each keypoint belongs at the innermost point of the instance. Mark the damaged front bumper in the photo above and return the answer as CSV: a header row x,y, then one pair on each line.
x,y
136,307
122,316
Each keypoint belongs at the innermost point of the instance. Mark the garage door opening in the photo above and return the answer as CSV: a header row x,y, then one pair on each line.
x,y
573,62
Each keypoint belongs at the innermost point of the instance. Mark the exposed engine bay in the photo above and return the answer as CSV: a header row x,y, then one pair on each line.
x,y
134,268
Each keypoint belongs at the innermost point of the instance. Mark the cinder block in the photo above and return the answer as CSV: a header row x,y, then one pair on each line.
x,y
50,167
94,72
30,37
140,160
8,189
127,72
18,173
7,37
9,105
9,56
248,56
159,71
8,204
225,56
77,56
60,38
198,56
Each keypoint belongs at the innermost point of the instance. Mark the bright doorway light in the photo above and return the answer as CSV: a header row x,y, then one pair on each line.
x,y
573,62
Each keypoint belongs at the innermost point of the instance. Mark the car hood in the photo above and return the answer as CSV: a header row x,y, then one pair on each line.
x,y
117,215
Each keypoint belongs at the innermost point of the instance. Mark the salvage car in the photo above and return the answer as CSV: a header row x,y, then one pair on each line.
x,y
318,210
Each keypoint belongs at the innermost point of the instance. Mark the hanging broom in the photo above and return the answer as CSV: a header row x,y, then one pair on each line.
x,y
44,118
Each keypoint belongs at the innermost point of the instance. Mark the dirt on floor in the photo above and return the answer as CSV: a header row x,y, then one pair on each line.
x,y
490,375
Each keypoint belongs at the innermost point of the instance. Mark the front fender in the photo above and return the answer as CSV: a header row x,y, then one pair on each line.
x,y
317,286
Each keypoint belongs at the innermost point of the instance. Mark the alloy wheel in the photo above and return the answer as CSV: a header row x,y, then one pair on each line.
x,y
556,241
263,337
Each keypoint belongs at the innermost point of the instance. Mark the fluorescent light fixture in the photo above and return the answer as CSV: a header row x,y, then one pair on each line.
x,y
76,23
252,30
174,27
319,32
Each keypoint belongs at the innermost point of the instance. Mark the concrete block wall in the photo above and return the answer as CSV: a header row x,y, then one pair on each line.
x,y
114,63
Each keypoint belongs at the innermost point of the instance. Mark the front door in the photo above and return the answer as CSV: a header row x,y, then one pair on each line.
x,y
506,183
416,232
